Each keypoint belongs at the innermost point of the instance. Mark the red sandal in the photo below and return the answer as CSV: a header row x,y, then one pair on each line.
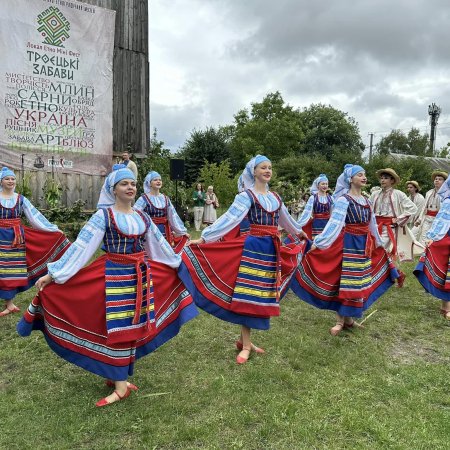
x,y
104,402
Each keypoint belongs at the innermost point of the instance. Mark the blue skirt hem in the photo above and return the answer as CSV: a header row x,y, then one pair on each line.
x,y
343,310
102,369
428,286
215,310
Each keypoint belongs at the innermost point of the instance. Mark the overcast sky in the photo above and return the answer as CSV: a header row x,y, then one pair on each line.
x,y
382,61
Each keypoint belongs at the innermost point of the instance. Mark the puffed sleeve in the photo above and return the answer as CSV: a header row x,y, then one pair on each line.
x,y
81,251
140,204
334,225
441,223
175,222
37,220
307,212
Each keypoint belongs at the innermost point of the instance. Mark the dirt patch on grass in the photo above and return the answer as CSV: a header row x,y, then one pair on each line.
x,y
409,352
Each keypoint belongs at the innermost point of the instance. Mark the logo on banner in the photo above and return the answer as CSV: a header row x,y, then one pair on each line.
x,y
54,27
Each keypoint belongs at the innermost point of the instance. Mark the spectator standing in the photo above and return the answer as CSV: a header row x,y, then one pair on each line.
x,y
199,198
129,164
211,204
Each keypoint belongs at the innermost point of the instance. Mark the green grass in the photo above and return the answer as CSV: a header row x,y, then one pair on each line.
x,y
383,387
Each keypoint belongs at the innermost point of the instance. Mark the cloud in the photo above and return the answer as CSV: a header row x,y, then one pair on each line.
x,y
382,62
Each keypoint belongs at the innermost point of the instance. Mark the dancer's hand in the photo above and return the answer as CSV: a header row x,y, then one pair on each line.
x,y
196,241
313,247
43,281
428,242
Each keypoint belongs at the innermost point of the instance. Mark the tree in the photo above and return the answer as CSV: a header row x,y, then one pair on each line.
x,y
329,132
443,152
219,176
158,159
413,143
417,168
271,128
208,145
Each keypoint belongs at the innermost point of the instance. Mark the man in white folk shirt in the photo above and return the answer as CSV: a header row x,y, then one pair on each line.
x,y
393,209
430,208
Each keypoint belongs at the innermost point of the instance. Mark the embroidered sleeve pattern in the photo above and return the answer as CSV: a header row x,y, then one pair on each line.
x,y
334,225
37,220
81,251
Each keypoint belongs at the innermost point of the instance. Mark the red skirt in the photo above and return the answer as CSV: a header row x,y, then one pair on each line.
x,y
72,317
41,248
433,269
235,280
342,278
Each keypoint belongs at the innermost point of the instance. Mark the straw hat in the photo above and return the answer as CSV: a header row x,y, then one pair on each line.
x,y
439,173
390,172
415,184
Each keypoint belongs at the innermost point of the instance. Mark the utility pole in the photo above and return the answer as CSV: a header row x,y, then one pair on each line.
x,y
370,146
434,112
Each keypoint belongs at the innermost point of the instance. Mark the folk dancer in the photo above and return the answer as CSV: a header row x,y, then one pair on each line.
x,y
433,270
416,197
430,208
241,280
159,207
347,268
123,305
393,209
24,251
318,208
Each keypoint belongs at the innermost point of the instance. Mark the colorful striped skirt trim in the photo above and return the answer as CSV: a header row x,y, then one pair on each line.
x,y
72,318
433,269
236,280
342,278
41,247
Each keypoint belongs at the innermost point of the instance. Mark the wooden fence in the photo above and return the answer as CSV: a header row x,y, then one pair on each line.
x,y
75,187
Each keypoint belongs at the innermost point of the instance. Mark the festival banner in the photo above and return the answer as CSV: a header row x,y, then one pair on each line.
x,y
56,85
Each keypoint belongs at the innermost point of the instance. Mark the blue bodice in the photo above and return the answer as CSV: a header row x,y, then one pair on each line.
x,y
357,213
12,213
257,215
322,208
114,241
152,210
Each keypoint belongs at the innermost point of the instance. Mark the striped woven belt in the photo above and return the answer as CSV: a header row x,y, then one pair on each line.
x,y
137,259
15,224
